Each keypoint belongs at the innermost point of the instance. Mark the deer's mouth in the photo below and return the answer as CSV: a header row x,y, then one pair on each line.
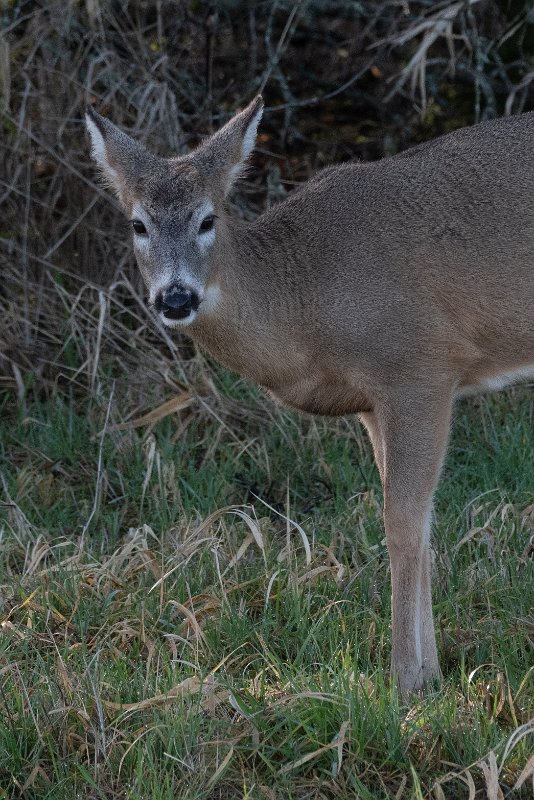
x,y
178,322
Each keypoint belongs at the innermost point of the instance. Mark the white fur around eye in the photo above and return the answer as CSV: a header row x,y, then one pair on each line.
x,y
141,241
205,239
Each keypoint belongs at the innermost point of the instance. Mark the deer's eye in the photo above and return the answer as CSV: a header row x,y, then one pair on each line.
x,y
207,224
138,227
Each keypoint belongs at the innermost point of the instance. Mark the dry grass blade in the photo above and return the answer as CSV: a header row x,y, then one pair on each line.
x,y
304,760
491,776
37,771
186,688
291,523
400,791
242,549
196,541
491,769
464,776
526,772
222,766
340,738
523,730
311,574
171,406
254,530
191,619
439,794
336,744
99,472
269,587
293,698
469,781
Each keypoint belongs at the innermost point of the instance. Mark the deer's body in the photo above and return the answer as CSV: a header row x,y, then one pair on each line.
x,y
362,282
385,289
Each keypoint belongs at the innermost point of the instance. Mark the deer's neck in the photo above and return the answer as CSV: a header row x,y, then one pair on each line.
x,y
251,324
269,323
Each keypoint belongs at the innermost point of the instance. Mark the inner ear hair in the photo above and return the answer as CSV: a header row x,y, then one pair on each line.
x,y
254,114
96,130
245,126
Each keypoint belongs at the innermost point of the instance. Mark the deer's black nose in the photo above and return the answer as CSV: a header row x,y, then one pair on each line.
x,y
176,302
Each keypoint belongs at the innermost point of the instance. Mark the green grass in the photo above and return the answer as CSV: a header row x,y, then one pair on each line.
x,y
169,631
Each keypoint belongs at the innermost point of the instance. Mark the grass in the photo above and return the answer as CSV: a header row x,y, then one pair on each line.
x,y
205,615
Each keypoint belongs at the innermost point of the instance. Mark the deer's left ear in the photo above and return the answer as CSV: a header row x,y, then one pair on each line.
x,y
120,158
224,155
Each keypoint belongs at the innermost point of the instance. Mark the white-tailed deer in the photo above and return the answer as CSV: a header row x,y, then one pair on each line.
x,y
385,289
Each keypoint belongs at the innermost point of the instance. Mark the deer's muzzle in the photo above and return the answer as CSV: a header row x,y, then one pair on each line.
x,y
176,302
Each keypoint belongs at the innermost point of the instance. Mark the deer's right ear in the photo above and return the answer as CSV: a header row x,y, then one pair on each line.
x,y
224,155
119,156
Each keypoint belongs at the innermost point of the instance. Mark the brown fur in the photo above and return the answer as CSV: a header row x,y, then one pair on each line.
x,y
386,289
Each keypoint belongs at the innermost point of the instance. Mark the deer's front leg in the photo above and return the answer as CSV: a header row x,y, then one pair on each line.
x,y
414,437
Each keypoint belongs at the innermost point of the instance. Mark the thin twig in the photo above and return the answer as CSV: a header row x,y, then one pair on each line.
x,y
275,57
98,487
